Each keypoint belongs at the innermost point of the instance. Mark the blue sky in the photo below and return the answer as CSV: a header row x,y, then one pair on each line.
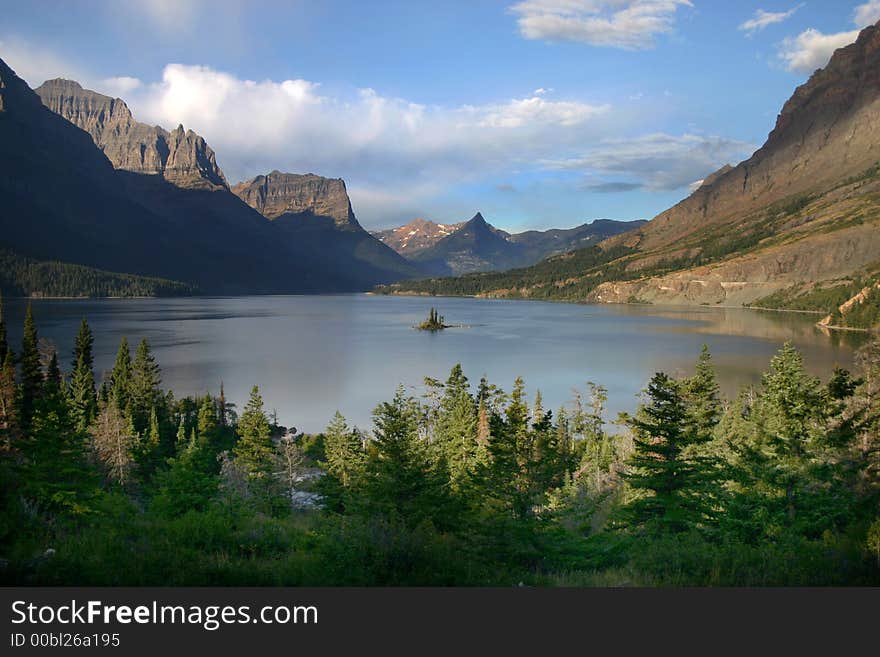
x,y
539,113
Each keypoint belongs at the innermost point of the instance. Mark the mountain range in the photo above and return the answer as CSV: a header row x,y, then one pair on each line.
x,y
88,185
477,246
797,222
84,183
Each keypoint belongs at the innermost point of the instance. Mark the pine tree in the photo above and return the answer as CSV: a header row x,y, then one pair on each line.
x,y
254,447
703,395
8,402
511,470
402,479
144,387
344,452
457,429
4,339
31,372
675,489
83,403
120,377
57,475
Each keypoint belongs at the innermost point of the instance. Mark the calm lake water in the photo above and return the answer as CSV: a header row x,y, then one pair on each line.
x,y
313,355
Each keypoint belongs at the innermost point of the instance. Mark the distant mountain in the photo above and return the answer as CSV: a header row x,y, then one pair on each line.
x,y
800,215
313,210
181,156
476,245
416,236
540,244
109,193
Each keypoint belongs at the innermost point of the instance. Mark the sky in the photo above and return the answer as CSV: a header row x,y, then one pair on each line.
x,y
538,113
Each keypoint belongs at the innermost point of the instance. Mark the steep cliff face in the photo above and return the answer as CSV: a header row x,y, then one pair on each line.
x,y
181,157
276,194
305,208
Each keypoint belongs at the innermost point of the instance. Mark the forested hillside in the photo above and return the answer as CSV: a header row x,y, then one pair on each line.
x,y
26,277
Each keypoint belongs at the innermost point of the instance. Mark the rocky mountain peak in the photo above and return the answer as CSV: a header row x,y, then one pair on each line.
x,y
276,194
182,157
416,236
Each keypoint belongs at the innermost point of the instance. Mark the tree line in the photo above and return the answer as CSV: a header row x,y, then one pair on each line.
x,y
120,482
27,277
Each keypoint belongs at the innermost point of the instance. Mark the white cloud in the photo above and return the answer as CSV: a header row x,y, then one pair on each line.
x,y
627,24
385,147
812,49
664,162
762,19
118,86
867,14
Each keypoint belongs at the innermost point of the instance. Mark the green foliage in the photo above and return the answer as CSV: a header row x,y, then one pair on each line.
x,y
434,322
83,402
31,371
254,447
466,486
674,487
26,277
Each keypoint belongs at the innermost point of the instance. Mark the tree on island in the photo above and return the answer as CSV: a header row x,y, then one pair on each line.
x,y
435,322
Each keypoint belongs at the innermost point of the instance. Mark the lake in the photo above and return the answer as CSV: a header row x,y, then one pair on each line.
x,y
312,355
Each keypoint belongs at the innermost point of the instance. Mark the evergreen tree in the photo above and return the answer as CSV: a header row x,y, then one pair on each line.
x,y
144,385
254,447
120,377
457,425
344,453
83,403
57,475
4,340
511,468
675,489
402,479
189,483
703,395
8,402
31,372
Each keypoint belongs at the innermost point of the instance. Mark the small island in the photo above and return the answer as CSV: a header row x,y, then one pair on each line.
x,y
435,322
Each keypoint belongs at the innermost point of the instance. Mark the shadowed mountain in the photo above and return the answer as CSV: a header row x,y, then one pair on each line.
x,y
158,207
313,210
476,246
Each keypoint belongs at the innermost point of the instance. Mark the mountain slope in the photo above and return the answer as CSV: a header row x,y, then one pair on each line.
x,y
805,208
313,210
